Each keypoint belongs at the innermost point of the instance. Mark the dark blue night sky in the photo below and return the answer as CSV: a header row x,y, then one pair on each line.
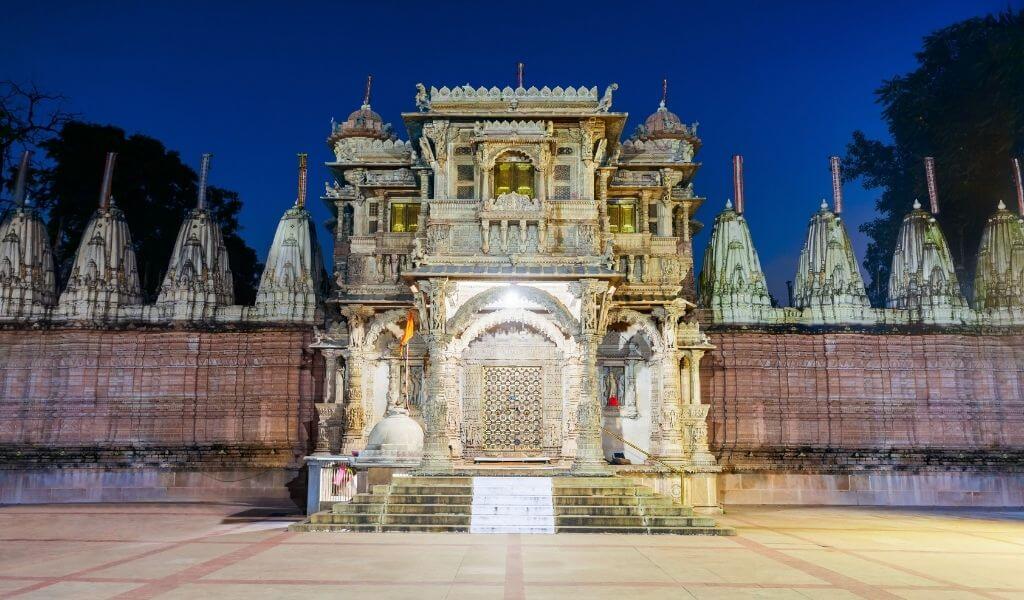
x,y
783,83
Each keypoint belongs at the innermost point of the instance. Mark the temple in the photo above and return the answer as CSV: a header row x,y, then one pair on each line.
x,y
548,268
513,294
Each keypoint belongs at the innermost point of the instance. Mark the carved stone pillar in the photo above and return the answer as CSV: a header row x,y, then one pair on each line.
x,y
424,184
671,447
330,374
645,224
602,200
438,445
695,425
354,411
324,413
589,451
437,450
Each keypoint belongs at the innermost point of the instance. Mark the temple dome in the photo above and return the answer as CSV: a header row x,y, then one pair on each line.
x,y
104,275
922,274
828,275
396,441
362,123
732,280
999,277
665,124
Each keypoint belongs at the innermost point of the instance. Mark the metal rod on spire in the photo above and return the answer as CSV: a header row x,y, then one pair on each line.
x,y
837,184
933,190
519,73
737,181
664,92
300,198
19,186
369,84
108,179
1018,181
204,172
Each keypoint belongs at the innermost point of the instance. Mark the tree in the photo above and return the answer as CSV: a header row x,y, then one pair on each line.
x,y
963,105
28,116
153,187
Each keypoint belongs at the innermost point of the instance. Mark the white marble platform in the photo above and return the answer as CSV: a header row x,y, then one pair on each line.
x,y
512,505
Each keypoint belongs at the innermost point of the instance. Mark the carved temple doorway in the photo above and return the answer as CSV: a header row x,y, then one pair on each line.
x,y
512,406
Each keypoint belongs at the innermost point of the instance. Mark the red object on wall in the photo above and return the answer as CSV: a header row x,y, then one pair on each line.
x,y
613,400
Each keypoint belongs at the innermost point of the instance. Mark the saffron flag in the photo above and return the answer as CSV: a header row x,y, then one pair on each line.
x,y
410,328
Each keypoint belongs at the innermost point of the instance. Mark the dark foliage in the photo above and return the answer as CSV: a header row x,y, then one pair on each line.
x,y
964,105
153,187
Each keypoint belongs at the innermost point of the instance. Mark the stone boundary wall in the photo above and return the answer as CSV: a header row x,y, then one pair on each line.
x,y
867,417
90,415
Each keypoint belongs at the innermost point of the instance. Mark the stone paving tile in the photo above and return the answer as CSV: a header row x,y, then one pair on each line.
x,y
549,564
168,562
199,551
740,566
79,590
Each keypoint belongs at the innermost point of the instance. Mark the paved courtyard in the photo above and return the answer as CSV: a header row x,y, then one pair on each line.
x,y
232,551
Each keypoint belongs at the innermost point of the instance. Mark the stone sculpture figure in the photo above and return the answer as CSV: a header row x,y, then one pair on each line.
x,y
422,99
605,103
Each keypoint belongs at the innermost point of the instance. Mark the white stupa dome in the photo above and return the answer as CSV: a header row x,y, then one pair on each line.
x,y
396,441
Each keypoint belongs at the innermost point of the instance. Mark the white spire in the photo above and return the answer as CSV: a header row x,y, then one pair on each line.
x,y
27,282
828,280
104,276
732,284
198,277
292,286
923,277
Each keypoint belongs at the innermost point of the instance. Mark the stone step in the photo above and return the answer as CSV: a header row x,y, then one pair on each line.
x,y
430,499
511,510
428,509
622,511
632,521
612,501
430,480
356,507
436,490
601,491
650,530
434,519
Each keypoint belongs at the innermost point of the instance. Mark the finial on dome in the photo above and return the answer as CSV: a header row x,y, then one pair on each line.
x,y
19,186
837,183
917,204
1001,205
824,204
728,204
300,198
366,97
204,173
737,182
664,93
108,177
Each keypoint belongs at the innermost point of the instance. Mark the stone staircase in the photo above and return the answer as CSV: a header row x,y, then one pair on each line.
x,y
513,505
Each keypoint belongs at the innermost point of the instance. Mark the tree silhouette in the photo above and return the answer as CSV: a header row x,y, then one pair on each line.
x,y
964,105
153,187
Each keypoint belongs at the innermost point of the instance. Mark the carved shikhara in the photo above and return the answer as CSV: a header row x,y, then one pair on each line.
x,y
514,280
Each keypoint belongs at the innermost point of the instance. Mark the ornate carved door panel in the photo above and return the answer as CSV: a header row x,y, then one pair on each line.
x,y
513,409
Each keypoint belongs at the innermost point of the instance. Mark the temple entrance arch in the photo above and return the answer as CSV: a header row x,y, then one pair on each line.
x,y
516,367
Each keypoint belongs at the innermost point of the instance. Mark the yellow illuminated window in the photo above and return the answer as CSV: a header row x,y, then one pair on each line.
x,y
513,177
622,217
404,216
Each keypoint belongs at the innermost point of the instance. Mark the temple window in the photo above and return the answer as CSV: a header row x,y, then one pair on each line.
x,y
513,176
465,188
372,216
622,217
404,216
652,218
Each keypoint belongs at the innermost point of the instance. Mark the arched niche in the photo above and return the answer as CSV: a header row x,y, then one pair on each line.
x,y
557,311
